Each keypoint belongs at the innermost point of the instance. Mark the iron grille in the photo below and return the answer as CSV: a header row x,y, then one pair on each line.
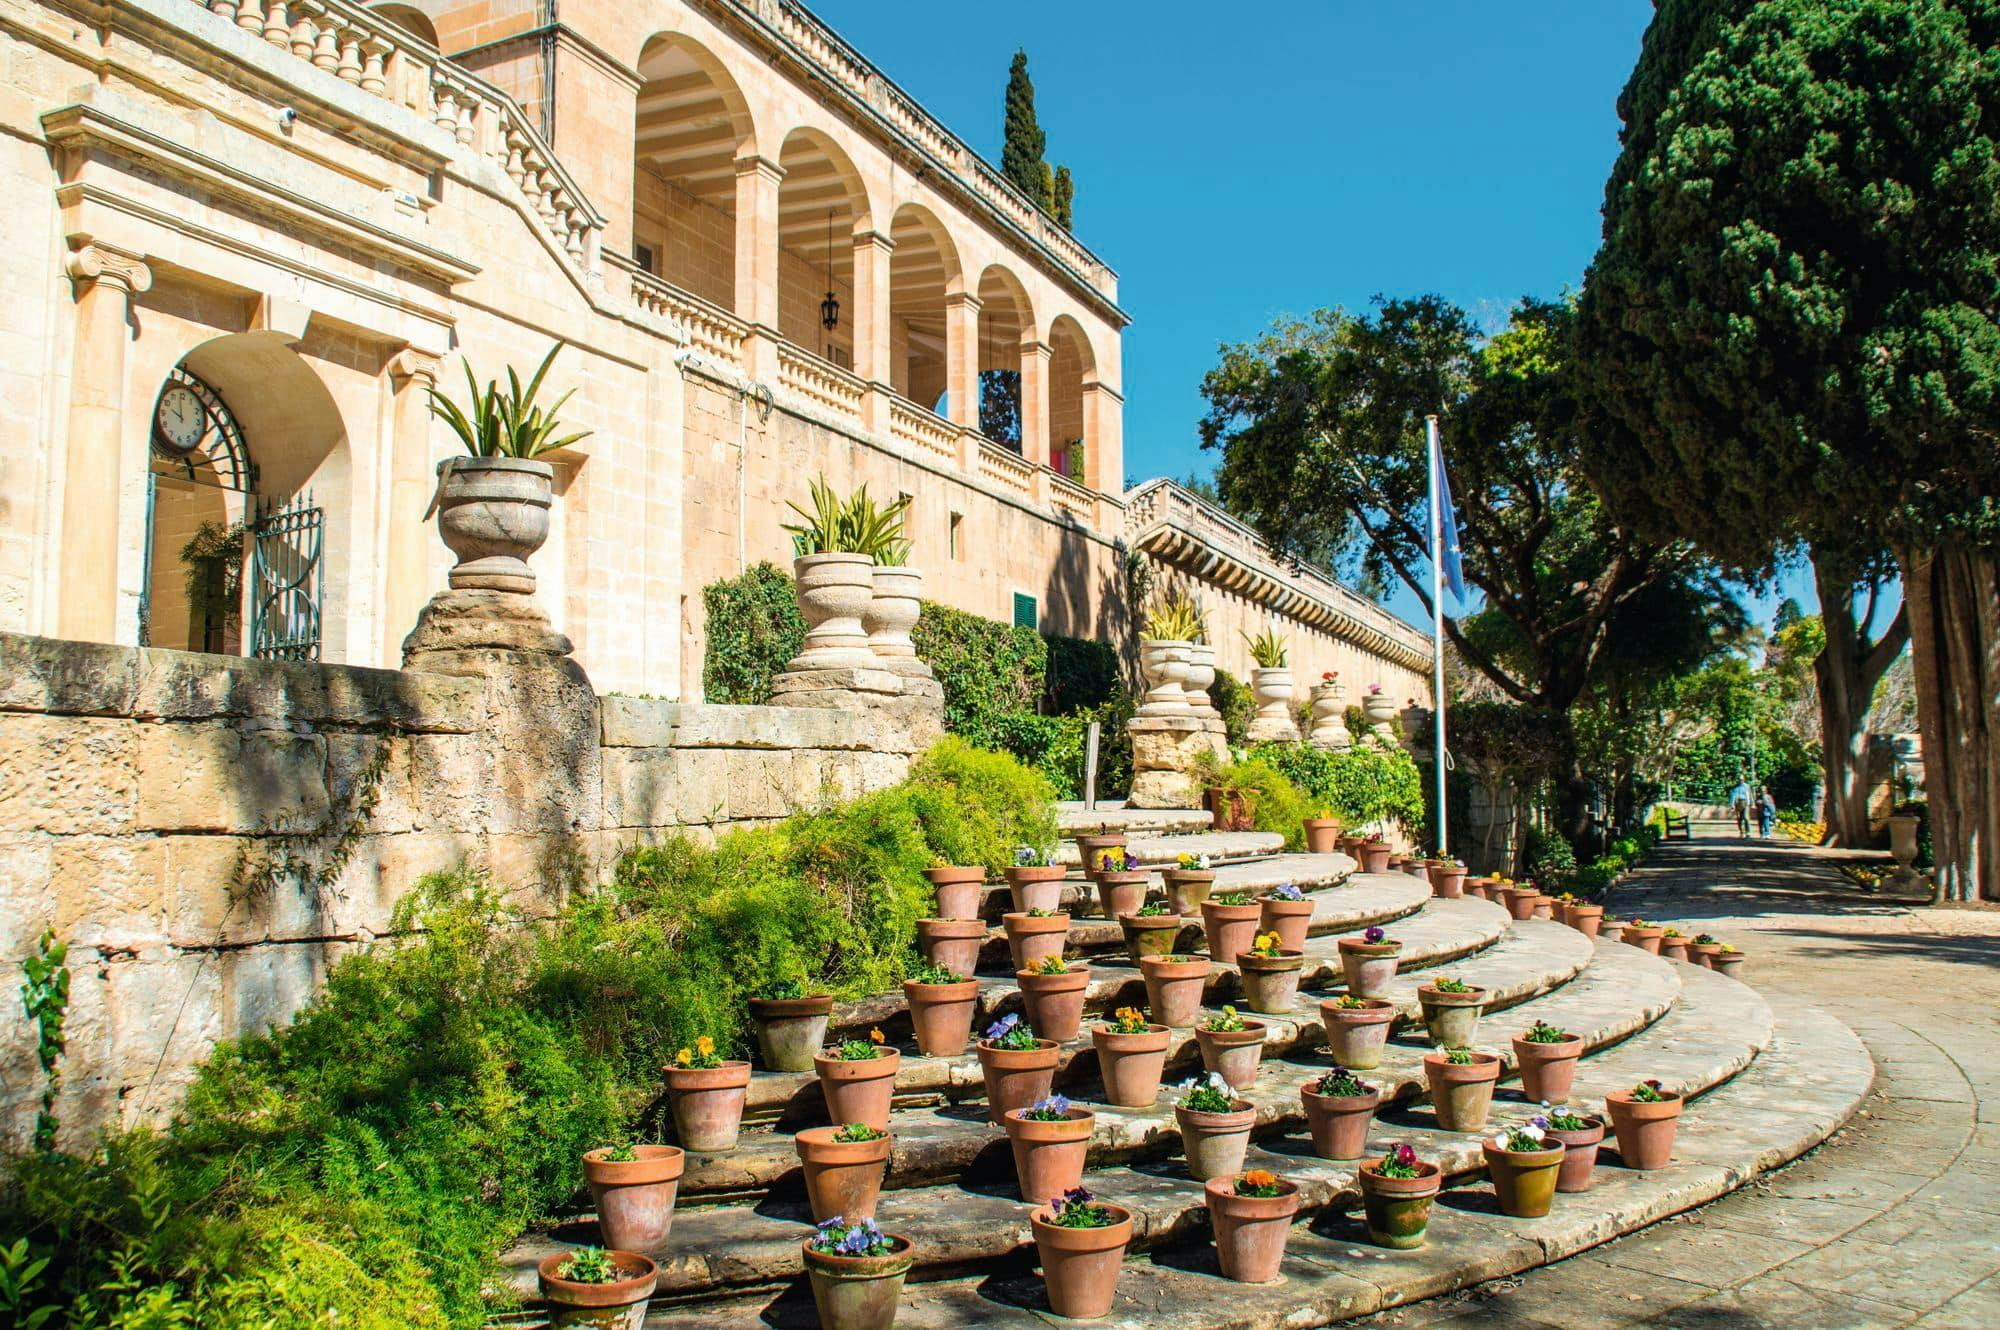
x,y
286,545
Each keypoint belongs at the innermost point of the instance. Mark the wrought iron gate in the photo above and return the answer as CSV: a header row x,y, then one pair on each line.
x,y
287,540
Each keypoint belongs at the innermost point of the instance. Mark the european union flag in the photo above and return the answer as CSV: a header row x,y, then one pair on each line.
x,y
1447,526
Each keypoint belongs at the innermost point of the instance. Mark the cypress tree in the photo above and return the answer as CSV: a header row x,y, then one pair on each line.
x,y
1065,199
1021,153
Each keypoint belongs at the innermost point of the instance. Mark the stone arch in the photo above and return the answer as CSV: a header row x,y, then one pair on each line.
x,y
411,20
691,126
822,206
1006,323
1072,364
924,272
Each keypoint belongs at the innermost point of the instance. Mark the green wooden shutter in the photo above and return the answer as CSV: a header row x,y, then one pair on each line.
x,y
1027,614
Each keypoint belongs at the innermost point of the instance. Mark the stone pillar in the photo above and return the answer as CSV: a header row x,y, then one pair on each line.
x,y
1166,752
1103,438
406,582
1035,358
757,180
104,280
872,354
961,357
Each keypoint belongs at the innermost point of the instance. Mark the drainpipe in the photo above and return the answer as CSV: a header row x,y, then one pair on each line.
x,y
751,391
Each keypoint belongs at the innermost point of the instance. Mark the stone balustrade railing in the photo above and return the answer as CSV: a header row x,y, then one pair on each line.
x,y
806,375
712,331
926,429
360,47
1066,496
1005,467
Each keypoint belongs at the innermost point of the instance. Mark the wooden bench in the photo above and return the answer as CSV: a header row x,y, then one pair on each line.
x,y
1676,826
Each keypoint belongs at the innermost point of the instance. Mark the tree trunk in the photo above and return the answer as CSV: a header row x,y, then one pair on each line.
x,y
1846,671
1953,598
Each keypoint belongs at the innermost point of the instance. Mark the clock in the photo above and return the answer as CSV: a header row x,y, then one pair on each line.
x,y
179,419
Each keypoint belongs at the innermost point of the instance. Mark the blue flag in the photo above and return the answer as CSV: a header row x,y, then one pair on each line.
x,y
1447,525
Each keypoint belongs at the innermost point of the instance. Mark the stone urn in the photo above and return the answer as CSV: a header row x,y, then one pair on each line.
x,y
493,512
1379,707
892,611
1167,666
1902,829
1329,717
1201,674
1271,685
835,590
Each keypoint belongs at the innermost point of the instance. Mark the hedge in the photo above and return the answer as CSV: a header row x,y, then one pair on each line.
x,y
754,627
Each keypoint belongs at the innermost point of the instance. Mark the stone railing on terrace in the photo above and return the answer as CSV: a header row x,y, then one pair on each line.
x,y
819,381
1070,498
359,46
712,331
1006,468
1182,528
928,430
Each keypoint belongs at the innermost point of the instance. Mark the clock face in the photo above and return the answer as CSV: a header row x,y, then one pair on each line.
x,y
179,419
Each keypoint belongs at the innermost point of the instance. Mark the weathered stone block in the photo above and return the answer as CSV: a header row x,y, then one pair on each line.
x,y
27,893
218,778
111,894
68,774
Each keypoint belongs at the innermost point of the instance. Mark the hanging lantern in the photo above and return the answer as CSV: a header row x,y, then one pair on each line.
x,y
829,308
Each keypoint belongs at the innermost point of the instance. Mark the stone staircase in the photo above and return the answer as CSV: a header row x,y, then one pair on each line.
x,y
1769,1079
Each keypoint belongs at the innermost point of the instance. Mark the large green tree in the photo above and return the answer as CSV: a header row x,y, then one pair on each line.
x,y
1023,145
1791,336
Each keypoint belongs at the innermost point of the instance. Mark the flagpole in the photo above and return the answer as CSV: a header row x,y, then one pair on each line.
x,y
1436,453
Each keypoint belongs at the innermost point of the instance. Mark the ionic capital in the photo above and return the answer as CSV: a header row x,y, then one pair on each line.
x,y
91,264
410,364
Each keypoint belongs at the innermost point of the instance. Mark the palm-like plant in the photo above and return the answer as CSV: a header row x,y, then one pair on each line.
x,y
510,423
1267,649
856,525
1176,619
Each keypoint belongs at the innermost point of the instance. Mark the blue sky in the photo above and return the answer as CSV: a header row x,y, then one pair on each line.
x,y
1307,154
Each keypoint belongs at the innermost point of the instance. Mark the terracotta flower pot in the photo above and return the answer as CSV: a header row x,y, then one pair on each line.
x,y
1369,966
1031,937
1049,1156
1215,1143
1673,948
1187,888
1271,983
1356,1036
1727,962
1232,810
1524,1181
952,943
1448,881
1080,1265
1420,869
1250,1231
1483,887
1451,1018
1374,857
1230,929
1091,844
1520,901
1016,1078
618,1305
790,1030
1233,1054
707,1104
1544,906
1131,1064
1645,1131
635,1199
858,1091
1579,1155
1339,1123
1646,939
1398,1210
1704,953
1290,920
1121,893
1036,888
959,888
1586,919
1054,1002
858,1292
1547,1070
942,1015
1322,835
843,1179
1462,1095
1150,934
1174,988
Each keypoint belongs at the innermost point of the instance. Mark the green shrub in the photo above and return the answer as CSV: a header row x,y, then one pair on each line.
x,y
988,670
1276,804
754,628
1233,698
1545,855
1081,674
1362,785
976,806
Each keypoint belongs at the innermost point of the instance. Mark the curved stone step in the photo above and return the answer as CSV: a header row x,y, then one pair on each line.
x,y
1808,1081
1162,850
1250,875
1113,815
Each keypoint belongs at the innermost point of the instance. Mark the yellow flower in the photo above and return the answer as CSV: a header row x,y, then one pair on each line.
x,y
704,1046
684,1057
875,1036
1267,944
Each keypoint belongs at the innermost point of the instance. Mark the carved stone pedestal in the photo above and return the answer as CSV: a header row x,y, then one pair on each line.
x,y
1166,752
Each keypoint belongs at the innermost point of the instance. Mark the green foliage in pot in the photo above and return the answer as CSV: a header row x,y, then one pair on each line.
x,y
855,524
1276,804
494,423
1267,649
1176,618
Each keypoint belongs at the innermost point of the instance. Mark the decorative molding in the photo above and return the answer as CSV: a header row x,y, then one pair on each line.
x,y
92,262
410,366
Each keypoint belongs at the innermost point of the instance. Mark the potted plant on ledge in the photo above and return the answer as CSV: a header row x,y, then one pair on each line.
x,y
1052,991
1643,1118
1270,975
1580,1135
1357,1029
707,1094
1252,1217
592,1287
1451,1010
1050,1139
857,1272
1174,987
1081,1242
1188,883
1523,1163
858,1079
1231,1047
843,1167
1286,911
1036,879
1131,1057
1369,962
1150,932
1396,1195
791,1024
833,565
1340,1107
1215,1127
1018,1067
1461,1084
941,1004
633,1188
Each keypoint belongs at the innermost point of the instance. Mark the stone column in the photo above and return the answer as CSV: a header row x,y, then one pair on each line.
x,y
406,582
1103,438
1035,358
104,280
757,180
961,357
872,356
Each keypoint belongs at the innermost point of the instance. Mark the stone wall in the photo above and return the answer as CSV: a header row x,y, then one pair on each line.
x,y
209,833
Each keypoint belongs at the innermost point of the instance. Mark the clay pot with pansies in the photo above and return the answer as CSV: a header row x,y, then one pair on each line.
x,y
1462,1093
1339,1123
1374,856
1033,936
1586,918
1054,1002
1230,929
1131,1065
1234,1055
1049,1156
843,1178
1448,881
1215,1143
1727,962
1150,934
1397,1210
1420,869
952,943
1704,953
1122,893
1544,906
1080,1265
1369,966
1524,1181
1187,888
1547,1070
1673,947
634,1198
707,1104
1271,983
1452,1019
858,1089
959,889
1579,1154
1646,937
1174,988
1016,1077
1520,901
619,1304
1356,1036
1091,844
1250,1231
790,1030
1322,835
1290,920
858,1292
1035,887
941,1015
1645,1131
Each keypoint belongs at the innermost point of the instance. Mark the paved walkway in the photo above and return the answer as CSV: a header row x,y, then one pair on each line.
x,y
1895,1222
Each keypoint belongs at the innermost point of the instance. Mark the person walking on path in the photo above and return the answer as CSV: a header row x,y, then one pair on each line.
x,y
1739,804
1767,813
